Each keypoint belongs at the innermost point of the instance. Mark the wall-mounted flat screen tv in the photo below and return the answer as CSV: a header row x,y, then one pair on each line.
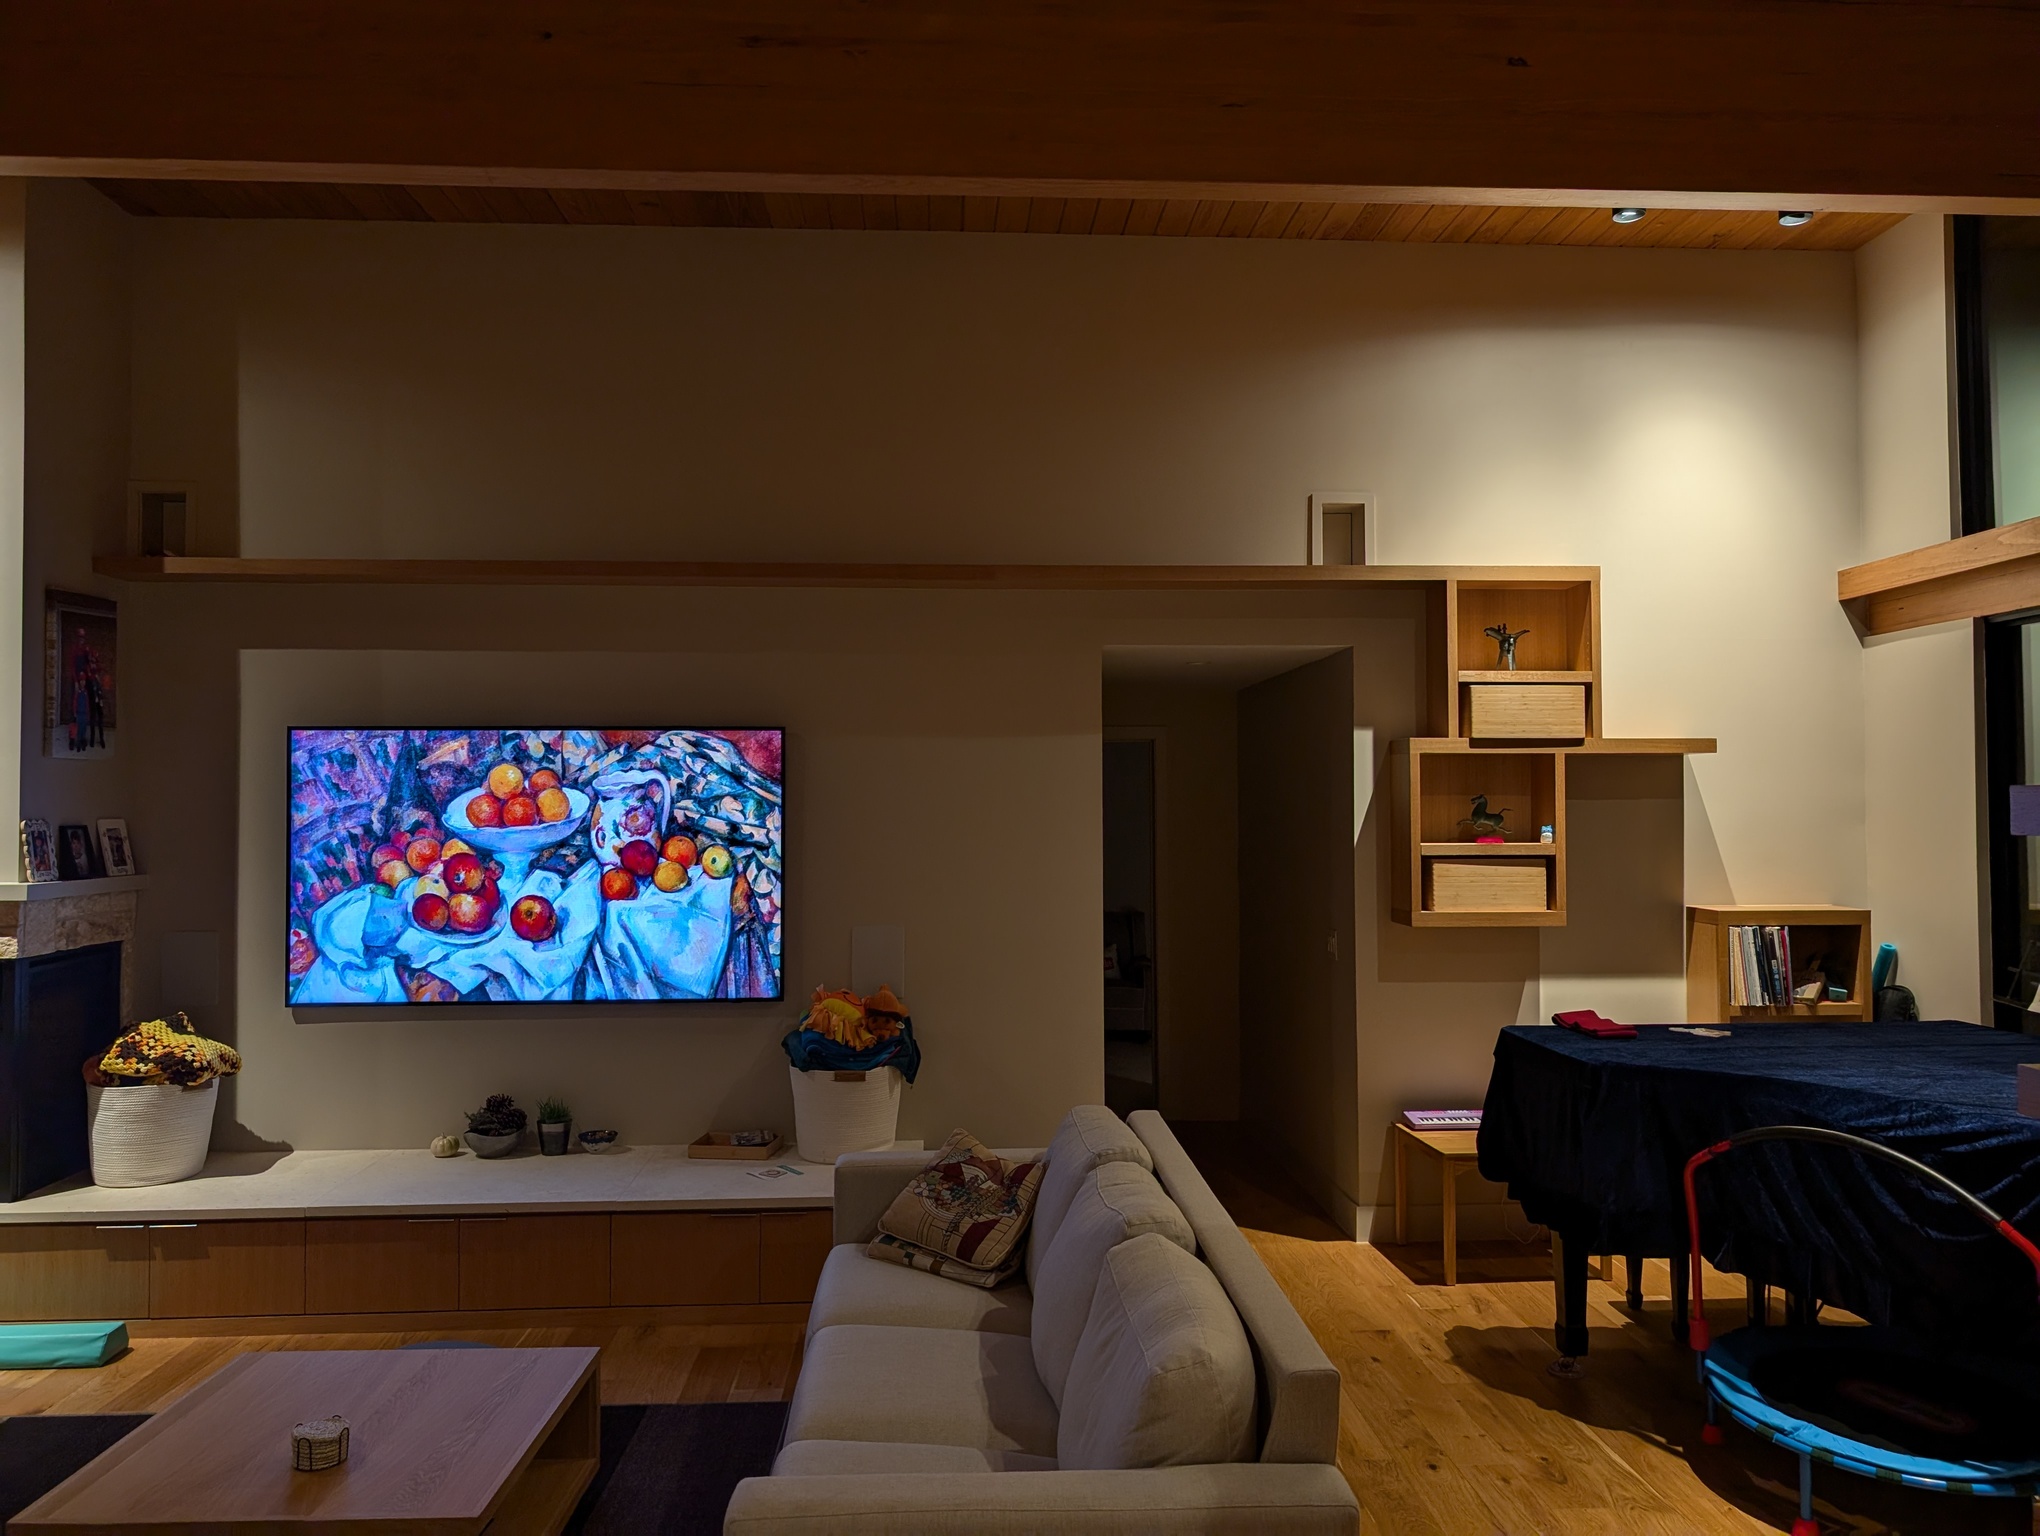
x,y
534,866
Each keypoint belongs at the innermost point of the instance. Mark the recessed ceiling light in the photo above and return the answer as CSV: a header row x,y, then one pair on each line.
x,y
1628,215
1793,218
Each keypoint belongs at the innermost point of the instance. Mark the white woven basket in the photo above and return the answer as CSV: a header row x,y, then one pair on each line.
x,y
152,1133
831,1117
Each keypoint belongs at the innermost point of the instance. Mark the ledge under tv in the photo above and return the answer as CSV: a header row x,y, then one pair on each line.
x,y
447,865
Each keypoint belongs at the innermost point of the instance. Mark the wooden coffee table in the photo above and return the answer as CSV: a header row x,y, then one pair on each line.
x,y
444,1440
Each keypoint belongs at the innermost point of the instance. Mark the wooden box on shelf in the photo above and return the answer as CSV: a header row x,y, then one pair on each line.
x,y
1442,878
1526,711
1838,938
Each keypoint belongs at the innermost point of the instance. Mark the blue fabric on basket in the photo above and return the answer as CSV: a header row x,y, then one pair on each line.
x,y
812,1051
1592,1136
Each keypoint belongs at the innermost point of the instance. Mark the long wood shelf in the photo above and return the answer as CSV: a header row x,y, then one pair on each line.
x,y
1500,675
1974,577
1593,746
723,573
1488,850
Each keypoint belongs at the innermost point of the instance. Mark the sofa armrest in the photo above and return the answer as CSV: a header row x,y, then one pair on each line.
x,y
1234,1499
868,1182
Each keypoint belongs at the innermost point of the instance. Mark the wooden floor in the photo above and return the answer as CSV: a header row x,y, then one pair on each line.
x,y
723,1363
1451,1424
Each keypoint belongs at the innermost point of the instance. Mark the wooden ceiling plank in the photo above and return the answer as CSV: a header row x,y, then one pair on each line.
x,y
1177,215
1273,220
1304,221
1014,212
1143,215
1044,215
785,211
1465,225
981,214
1338,220
911,212
1111,216
1209,218
1240,220
1078,215
945,213
881,211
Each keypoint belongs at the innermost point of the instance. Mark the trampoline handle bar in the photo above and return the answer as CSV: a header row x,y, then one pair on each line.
x,y
1696,1331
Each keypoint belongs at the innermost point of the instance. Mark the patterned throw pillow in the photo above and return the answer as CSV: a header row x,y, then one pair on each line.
x,y
963,1216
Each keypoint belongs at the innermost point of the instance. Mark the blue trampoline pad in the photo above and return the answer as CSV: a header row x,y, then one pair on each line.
x,y
1875,1403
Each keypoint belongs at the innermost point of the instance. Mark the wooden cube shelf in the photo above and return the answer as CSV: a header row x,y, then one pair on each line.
x,y
1838,936
1441,877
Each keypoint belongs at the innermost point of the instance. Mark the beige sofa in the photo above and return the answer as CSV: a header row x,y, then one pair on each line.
x,y
1149,1375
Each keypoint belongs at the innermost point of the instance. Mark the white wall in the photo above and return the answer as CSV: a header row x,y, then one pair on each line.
x,y
1923,842
1685,419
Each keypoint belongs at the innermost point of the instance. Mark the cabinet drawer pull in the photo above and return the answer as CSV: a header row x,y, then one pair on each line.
x,y
120,1226
484,1218
436,1221
159,1226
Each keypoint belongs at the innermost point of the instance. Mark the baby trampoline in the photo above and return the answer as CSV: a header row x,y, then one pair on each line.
x,y
1871,1400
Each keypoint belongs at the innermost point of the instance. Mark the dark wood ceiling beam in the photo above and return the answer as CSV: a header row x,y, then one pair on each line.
x,y
1909,104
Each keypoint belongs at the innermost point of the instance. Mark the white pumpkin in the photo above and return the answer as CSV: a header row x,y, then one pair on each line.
x,y
446,1146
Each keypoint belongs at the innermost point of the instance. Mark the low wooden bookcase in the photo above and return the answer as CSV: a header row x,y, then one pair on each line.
x,y
1840,934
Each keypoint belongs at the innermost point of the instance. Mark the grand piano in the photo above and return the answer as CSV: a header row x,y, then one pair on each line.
x,y
1592,1137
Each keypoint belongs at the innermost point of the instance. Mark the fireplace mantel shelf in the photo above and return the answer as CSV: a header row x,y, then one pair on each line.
x,y
52,890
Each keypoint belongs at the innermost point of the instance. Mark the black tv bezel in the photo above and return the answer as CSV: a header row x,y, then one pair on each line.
x,y
400,1009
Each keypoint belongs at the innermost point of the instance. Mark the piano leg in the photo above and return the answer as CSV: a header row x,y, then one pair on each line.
x,y
1757,1302
1682,1286
1569,1284
1632,1266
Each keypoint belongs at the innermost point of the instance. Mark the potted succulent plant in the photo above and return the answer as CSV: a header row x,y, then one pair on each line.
x,y
495,1129
555,1127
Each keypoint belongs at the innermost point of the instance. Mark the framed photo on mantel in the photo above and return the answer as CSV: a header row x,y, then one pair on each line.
x,y
116,848
80,678
38,851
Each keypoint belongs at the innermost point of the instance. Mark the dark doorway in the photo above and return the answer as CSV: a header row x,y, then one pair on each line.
x,y
1132,1011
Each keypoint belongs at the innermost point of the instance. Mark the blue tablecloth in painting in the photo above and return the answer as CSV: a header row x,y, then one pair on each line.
x,y
1592,1137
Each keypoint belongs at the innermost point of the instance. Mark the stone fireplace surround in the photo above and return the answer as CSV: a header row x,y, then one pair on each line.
x,y
47,919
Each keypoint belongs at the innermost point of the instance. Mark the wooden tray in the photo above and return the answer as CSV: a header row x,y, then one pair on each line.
x,y
717,1144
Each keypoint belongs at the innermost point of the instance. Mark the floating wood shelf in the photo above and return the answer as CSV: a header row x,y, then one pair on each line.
x,y
1593,746
1488,850
714,573
1498,675
1993,572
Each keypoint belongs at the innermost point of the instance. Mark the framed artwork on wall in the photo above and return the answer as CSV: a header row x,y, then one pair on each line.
x,y
80,676
77,859
116,848
38,851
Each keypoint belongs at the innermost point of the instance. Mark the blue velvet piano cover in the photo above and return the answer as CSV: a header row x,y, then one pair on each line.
x,y
1592,1137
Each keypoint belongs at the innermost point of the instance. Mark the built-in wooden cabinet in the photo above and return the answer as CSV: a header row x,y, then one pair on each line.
x,y
382,1264
520,1262
226,1268
792,1246
75,1272
684,1258
415,1265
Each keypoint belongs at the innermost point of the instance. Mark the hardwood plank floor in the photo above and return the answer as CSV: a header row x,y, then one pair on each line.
x,y
1451,1425
668,1363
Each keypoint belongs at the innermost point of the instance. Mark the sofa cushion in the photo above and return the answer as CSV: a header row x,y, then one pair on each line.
x,y
922,1386
1089,1135
856,1288
835,1458
968,1209
1116,1201
1164,1375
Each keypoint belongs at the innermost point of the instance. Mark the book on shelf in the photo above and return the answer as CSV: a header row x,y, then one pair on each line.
x,y
1760,966
1442,1119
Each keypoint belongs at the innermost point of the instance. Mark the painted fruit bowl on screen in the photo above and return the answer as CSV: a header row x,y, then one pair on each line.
x,y
507,865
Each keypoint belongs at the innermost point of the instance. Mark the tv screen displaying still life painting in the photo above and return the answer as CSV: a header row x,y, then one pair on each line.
x,y
534,866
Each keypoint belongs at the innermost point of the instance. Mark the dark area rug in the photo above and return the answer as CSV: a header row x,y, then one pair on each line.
x,y
667,1469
